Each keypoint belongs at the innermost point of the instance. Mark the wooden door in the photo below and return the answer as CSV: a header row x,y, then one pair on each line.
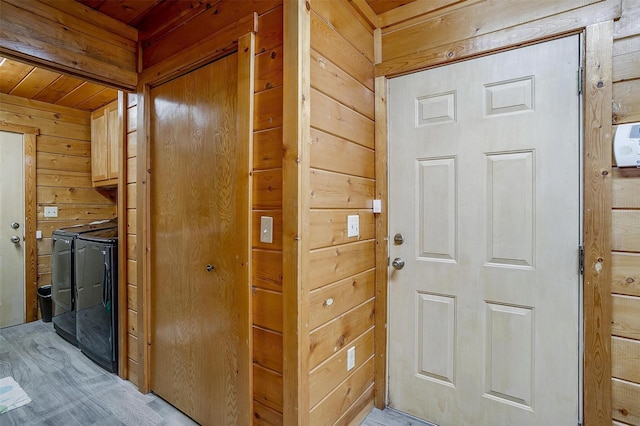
x,y
114,135
194,311
99,142
12,284
484,186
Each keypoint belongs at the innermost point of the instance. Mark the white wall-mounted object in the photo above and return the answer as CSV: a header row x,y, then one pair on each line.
x,y
351,358
626,145
353,225
38,235
50,212
266,229
377,206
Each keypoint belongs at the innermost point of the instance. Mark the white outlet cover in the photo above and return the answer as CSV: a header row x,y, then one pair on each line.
x,y
353,225
50,211
351,358
266,229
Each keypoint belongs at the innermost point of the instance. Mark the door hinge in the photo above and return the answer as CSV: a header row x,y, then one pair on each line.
x,y
580,80
581,259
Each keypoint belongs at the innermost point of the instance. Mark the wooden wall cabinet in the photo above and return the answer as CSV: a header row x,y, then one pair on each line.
x,y
106,138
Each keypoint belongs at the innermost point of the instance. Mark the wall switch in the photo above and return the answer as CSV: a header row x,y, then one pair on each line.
x,y
377,206
351,358
38,235
266,229
50,212
353,225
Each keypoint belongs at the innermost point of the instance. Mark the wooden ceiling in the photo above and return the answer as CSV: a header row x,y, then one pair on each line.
x,y
31,82
382,6
36,83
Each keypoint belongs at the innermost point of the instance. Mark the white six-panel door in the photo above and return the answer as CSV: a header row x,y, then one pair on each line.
x,y
484,187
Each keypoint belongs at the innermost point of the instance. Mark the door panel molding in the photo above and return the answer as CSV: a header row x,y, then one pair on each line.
x,y
29,135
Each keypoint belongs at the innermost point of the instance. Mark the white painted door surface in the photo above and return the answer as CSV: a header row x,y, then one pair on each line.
x,y
12,284
484,186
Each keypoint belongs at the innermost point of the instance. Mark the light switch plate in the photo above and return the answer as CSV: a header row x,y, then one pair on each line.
x,y
38,235
351,358
266,229
353,225
50,212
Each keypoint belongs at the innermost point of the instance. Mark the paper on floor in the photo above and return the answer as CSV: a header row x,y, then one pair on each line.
x,y
11,395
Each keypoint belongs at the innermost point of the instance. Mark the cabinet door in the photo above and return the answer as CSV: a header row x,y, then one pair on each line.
x,y
113,143
99,147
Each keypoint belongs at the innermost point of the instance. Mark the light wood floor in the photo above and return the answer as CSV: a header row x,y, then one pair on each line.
x,y
68,389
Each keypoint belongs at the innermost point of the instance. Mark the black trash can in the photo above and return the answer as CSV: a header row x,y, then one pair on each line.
x,y
44,298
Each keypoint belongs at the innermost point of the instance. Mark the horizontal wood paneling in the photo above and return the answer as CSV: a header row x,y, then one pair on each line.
x,y
339,400
268,109
341,19
340,332
333,300
265,416
330,44
267,149
328,375
201,28
268,69
266,258
624,356
626,56
625,230
329,79
55,145
626,102
270,29
625,319
267,349
63,179
625,271
267,269
71,196
625,401
46,160
334,154
331,264
329,227
267,309
625,186
338,191
478,19
267,387
332,117
267,189
80,213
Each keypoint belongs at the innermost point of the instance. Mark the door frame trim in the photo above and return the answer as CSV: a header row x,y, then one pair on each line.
x,y
176,66
29,135
596,235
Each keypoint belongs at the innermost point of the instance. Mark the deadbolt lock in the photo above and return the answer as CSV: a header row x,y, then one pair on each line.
x,y
15,225
398,239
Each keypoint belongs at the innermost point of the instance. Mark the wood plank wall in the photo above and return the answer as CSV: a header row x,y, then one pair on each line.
x,y
625,223
267,201
342,269
63,170
131,148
